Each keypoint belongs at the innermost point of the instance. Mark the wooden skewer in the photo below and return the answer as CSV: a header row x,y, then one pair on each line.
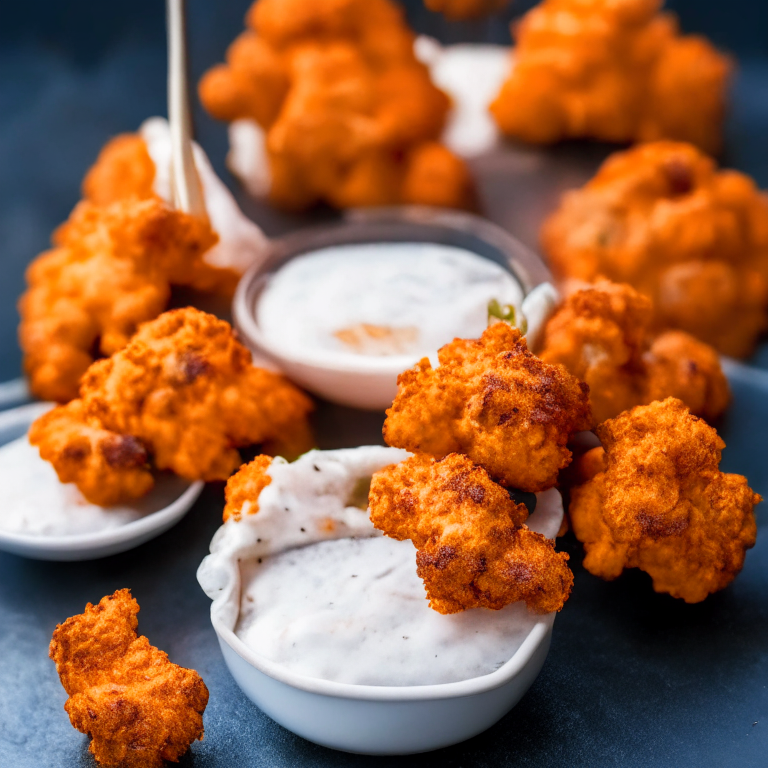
x,y
185,182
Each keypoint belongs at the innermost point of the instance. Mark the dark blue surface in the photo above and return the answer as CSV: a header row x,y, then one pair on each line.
x,y
633,680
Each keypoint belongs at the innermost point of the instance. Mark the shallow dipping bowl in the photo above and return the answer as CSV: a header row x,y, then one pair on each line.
x,y
370,382
15,423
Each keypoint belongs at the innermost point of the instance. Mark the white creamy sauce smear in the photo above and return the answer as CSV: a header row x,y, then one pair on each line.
x,y
416,296
354,611
341,602
36,503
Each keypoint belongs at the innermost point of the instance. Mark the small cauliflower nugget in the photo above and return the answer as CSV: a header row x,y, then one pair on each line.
x,y
473,547
185,395
602,334
138,708
495,402
663,218
659,502
111,269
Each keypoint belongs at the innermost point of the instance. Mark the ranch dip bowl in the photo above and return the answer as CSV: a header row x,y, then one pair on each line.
x,y
44,519
343,309
322,621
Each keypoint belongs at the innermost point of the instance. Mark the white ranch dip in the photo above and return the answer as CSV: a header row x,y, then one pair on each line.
x,y
380,299
341,602
36,503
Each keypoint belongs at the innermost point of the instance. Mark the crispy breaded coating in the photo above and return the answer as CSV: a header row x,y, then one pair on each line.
x,y
351,116
105,466
661,504
110,270
123,169
616,71
680,366
459,10
138,708
603,335
694,239
186,391
494,401
473,547
243,488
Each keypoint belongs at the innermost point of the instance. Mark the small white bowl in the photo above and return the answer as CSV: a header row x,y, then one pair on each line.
x,y
371,382
367,719
15,423
378,720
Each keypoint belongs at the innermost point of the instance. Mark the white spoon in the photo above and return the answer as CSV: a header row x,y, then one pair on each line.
x,y
146,518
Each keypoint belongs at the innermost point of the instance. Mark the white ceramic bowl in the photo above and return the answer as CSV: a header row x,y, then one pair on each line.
x,y
369,719
376,720
371,382
15,423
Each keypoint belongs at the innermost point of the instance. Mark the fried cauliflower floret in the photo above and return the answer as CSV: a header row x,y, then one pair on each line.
x,y
694,239
458,10
680,366
123,169
602,335
351,116
110,270
473,547
615,71
106,466
186,391
494,401
661,504
138,708
243,488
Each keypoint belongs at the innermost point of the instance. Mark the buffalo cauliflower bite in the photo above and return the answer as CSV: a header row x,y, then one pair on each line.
x,y
351,116
123,169
615,71
110,270
694,239
680,366
126,168
494,401
473,547
659,502
602,335
138,708
185,391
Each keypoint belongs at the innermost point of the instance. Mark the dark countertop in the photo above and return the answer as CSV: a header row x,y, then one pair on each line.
x,y
632,679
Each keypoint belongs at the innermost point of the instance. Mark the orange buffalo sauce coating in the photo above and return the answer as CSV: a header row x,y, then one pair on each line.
x,y
662,218
614,70
656,500
351,116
